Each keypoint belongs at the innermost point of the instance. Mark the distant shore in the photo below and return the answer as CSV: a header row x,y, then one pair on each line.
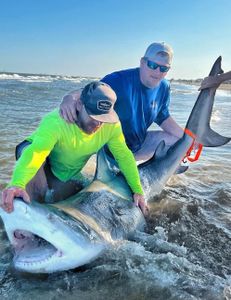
x,y
224,86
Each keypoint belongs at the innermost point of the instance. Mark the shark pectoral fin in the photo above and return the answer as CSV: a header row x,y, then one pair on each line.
x,y
181,169
213,139
103,170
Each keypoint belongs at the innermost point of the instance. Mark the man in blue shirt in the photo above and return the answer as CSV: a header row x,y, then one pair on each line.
x,y
143,96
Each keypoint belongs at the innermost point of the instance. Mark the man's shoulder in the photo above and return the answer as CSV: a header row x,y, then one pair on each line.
x,y
165,84
126,74
163,88
52,115
52,118
111,128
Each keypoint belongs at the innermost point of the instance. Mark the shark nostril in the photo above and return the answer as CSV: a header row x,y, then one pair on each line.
x,y
59,253
19,235
22,234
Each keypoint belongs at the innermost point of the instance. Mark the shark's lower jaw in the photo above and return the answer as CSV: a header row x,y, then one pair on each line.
x,y
33,252
44,242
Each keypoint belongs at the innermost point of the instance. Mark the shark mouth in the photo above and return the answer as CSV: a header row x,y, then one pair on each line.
x,y
32,250
46,240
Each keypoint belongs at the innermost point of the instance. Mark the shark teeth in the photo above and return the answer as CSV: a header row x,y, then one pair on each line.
x,y
32,250
28,261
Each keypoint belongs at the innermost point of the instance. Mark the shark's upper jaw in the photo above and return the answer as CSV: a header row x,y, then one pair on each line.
x,y
44,244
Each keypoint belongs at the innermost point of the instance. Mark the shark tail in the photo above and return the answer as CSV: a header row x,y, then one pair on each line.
x,y
216,68
199,120
211,138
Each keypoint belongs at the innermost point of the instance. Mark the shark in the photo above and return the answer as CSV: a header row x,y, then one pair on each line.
x,y
53,237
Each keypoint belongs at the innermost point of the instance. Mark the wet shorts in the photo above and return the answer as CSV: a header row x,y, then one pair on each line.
x,y
19,148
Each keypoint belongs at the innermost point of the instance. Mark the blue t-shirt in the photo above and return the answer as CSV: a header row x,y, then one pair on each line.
x,y
138,106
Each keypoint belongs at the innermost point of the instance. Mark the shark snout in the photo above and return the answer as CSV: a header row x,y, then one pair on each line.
x,y
43,242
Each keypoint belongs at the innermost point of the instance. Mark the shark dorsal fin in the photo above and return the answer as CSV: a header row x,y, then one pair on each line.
x,y
103,172
160,150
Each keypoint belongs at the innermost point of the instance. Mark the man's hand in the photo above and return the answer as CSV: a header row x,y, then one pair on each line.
x,y
67,109
8,196
214,81
141,203
210,81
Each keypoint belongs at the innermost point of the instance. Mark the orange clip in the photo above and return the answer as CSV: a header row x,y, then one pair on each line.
x,y
199,149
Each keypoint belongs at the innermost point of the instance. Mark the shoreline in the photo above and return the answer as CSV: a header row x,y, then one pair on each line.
x,y
197,82
224,86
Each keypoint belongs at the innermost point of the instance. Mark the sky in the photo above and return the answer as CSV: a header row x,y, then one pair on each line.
x,y
94,38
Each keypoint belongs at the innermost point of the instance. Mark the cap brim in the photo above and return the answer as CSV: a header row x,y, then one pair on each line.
x,y
110,117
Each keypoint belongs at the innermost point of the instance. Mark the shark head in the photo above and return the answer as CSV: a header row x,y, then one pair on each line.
x,y
45,240
70,233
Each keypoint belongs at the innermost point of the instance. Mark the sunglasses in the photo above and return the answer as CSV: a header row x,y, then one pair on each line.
x,y
152,65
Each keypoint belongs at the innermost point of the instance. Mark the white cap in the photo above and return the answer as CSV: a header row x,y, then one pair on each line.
x,y
153,52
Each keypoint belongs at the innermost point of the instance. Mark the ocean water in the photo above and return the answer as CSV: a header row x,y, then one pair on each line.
x,y
185,251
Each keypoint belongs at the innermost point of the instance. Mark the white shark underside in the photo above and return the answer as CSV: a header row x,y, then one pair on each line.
x,y
55,237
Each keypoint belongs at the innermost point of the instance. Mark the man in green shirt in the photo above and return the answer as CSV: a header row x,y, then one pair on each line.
x,y
57,151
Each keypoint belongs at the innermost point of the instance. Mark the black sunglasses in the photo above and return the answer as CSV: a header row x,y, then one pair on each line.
x,y
152,65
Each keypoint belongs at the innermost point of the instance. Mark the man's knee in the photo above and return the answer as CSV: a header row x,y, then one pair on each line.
x,y
20,148
38,186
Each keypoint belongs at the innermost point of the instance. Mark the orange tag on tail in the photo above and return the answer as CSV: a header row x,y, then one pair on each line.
x,y
197,149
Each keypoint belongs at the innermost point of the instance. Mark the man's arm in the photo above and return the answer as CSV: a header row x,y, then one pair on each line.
x,y
127,165
170,126
67,109
29,163
25,169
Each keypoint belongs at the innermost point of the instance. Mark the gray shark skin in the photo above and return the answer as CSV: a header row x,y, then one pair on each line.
x,y
55,237
202,110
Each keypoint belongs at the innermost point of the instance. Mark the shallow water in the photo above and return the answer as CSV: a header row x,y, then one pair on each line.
x,y
185,251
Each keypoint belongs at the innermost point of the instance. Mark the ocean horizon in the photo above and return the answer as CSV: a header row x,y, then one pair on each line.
x,y
20,75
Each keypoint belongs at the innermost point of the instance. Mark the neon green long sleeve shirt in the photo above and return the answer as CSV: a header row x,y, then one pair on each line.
x,y
69,149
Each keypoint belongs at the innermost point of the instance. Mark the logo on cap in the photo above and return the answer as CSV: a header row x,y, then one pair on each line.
x,y
104,105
